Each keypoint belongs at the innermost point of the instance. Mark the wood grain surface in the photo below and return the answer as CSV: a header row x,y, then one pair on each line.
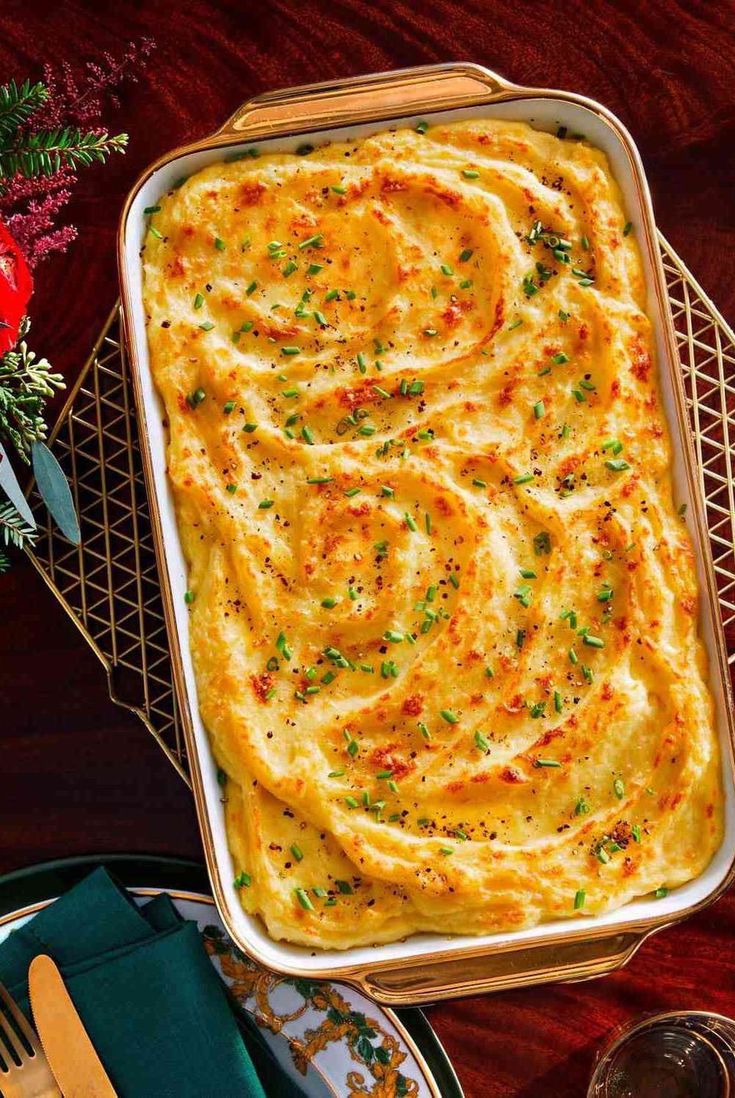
x,y
79,775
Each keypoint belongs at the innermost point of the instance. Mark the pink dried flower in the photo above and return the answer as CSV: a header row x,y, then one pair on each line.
x,y
78,100
30,207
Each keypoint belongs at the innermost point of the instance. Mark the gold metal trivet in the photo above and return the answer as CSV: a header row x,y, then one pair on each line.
x,y
109,585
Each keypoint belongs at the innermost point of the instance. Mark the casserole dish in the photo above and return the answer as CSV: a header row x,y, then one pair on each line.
x,y
423,967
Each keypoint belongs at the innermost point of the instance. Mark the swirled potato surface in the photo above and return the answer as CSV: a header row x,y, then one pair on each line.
x,y
443,607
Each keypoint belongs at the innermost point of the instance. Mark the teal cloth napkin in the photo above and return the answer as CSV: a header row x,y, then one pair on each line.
x,y
149,997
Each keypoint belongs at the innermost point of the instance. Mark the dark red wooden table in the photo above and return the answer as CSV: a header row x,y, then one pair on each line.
x,y
79,775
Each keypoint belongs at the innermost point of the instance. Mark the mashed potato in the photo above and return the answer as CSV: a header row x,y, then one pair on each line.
x,y
443,608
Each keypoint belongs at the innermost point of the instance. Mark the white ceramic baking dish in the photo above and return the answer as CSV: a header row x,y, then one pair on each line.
x,y
422,967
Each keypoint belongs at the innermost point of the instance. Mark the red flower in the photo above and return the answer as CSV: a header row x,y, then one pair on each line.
x,y
16,287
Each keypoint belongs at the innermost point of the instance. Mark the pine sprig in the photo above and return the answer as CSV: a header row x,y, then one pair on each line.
x,y
14,530
47,152
17,103
25,385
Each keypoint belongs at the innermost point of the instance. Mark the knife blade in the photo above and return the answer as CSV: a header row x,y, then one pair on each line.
x,y
75,1065
13,490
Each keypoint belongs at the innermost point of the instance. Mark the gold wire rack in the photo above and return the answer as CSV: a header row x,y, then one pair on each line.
x,y
109,584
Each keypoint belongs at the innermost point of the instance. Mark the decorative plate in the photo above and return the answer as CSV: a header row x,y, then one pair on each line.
x,y
329,1039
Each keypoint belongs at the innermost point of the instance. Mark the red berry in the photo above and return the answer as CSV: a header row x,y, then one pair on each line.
x,y
16,287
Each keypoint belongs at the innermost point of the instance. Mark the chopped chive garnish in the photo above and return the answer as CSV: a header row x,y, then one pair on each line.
x,y
195,399
315,241
410,523
449,716
229,407
481,741
265,504
479,483
446,269
539,409
336,773
627,229
304,899
367,430
198,301
393,636
454,580
593,642
329,603
251,288
248,428
307,435
468,173
189,597
660,893
207,326
319,480
345,888
339,189
551,764
560,358
524,595
297,853
573,657
314,268
290,350
385,490
422,126
527,573
154,232
290,268
290,393
219,244
636,833
579,899
352,492
351,802
446,850
361,362
524,478
242,880
231,488
618,465
619,789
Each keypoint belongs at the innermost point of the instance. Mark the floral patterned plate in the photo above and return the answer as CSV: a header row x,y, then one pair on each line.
x,y
328,1038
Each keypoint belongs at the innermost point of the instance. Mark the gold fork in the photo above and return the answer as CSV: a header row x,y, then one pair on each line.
x,y
26,1074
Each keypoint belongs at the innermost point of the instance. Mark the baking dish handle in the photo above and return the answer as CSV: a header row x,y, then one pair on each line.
x,y
425,982
366,98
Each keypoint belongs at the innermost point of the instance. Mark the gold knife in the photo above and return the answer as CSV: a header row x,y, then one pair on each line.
x,y
75,1065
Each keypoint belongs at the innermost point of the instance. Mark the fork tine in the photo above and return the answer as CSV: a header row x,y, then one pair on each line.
x,y
19,1018
12,1040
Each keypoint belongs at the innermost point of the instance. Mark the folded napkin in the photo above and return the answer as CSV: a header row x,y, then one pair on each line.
x,y
149,997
